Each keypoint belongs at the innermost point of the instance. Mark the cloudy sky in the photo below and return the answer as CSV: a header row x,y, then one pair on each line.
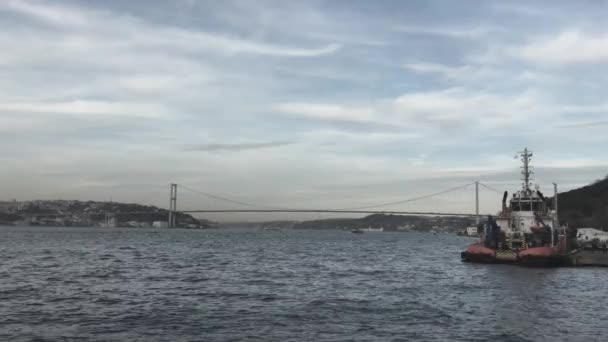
x,y
298,103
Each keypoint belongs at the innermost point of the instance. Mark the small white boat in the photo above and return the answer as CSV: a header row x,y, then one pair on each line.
x,y
471,231
373,230
272,229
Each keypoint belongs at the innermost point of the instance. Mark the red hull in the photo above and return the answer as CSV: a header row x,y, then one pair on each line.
x,y
536,256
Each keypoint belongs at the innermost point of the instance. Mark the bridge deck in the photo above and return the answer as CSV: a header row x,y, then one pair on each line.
x,y
422,213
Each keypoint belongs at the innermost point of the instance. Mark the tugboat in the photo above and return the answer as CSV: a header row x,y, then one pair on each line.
x,y
524,232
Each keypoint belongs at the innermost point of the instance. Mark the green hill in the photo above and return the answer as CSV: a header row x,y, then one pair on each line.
x,y
586,206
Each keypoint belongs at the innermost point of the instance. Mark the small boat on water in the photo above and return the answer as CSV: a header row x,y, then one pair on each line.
x,y
369,229
470,231
525,232
357,231
272,229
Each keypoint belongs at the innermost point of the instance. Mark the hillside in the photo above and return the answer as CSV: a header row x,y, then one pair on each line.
x,y
88,213
582,207
586,206
391,223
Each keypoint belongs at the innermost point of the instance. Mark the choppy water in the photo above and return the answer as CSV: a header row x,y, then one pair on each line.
x,y
71,284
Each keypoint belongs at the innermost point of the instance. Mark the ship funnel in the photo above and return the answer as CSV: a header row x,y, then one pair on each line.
x,y
504,201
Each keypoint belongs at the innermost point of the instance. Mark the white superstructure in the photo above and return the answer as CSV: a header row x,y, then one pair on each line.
x,y
527,220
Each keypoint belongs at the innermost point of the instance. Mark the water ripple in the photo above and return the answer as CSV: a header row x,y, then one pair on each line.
x,y
69,284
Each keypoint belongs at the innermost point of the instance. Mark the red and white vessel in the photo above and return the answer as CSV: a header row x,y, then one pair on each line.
x,y
524,232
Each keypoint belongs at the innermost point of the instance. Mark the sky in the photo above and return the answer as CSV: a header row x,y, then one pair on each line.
x,y
301,104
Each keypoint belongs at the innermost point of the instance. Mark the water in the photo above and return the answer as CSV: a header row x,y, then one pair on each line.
x,y
74,284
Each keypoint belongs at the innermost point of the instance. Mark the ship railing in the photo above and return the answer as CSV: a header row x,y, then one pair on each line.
x,y
517,239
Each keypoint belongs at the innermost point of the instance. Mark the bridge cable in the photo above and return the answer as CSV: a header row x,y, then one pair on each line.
x,y
490,188
410,199
226,199
345,209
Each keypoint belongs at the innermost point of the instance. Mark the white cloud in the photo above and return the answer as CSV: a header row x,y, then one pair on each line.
x,y
479,74
51,14
570,163
473,109
349,138
14,123
430,112
84,89
599,124
138,33
571,46
454,32
329,112
149,83
461,73
81,107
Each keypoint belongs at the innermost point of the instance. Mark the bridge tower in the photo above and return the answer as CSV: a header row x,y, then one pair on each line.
x,y
110,220
173,206
477,202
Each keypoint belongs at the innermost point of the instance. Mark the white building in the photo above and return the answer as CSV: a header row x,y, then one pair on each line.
x,y
160,224
589,236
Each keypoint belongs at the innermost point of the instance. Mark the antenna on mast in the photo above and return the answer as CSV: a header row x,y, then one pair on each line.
x,y
526,158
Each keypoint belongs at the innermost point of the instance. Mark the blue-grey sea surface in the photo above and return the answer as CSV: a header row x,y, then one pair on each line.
x,y
85,284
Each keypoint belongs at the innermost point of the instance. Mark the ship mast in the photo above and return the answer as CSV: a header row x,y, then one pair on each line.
x,y
526,171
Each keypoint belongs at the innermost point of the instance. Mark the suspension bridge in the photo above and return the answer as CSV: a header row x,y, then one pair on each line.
x,y
246,207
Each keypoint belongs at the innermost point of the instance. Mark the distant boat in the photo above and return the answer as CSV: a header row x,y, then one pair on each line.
x,y
373,230
357,231
470,231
